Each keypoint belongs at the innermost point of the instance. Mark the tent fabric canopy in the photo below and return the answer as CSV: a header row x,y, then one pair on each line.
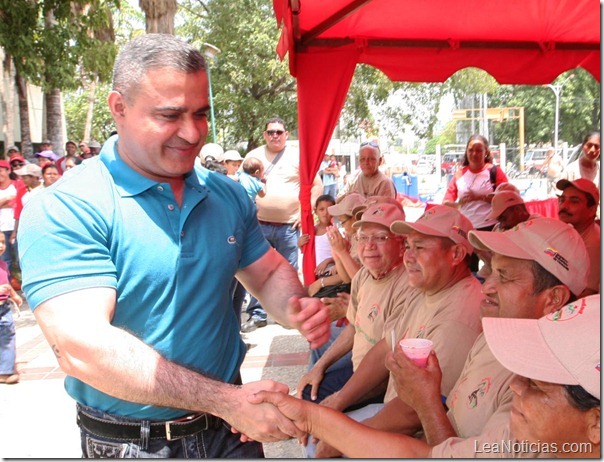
x,y
516,41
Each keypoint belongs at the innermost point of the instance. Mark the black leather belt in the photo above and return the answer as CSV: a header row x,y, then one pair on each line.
x,y
145,430
273,223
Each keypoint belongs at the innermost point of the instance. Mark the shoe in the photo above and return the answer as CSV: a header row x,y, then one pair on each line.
x,y
9,379
252,324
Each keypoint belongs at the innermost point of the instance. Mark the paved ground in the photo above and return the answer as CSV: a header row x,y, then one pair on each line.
x,y
37,417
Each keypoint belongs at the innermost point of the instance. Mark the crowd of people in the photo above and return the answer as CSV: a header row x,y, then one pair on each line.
x,y
143,312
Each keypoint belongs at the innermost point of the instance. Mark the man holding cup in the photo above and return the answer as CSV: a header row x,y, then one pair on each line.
x,y
447,312
538,267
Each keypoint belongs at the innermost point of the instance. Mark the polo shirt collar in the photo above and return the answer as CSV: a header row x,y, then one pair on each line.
x,y
128,181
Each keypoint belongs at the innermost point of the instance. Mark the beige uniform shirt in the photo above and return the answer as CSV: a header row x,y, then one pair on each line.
x,y
479,410
451,319
377,185
371,302
281,203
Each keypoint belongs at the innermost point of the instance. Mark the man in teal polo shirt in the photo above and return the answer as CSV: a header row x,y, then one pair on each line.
x,y
127,264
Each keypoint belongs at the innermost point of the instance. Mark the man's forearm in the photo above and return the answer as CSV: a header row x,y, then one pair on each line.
x,y
354,439
437,426
121,365
274,286
395,416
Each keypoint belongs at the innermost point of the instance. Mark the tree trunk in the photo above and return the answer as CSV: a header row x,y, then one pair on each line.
x,y
8,103
54,121
159,15
54,125
90,112
26,147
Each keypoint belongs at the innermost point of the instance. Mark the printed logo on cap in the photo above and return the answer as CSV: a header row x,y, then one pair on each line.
x,y
378,211
457,230
569,312
557,257
428,214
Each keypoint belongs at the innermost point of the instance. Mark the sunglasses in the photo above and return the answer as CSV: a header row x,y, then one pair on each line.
x,y
17,164
275,132
373,144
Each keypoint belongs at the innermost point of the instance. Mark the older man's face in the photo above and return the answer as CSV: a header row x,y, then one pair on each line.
x,y
379,249
369,160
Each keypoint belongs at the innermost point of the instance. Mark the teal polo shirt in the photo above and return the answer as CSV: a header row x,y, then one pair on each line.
x,y
105,225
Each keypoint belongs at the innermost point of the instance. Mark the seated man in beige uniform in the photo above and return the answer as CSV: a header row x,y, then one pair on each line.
x,y
447,311
578,205
369,181
378,291
537,268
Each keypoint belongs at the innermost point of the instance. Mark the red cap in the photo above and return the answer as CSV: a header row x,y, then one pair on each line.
x,y
5,164
17,157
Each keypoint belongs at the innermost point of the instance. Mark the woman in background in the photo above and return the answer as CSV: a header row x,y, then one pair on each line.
x,y
588,164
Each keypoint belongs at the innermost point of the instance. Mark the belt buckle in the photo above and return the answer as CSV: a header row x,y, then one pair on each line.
x,y
189,418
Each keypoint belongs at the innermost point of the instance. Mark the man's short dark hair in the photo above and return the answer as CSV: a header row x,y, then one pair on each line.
x,y
276,120
152,51
543,279
580,398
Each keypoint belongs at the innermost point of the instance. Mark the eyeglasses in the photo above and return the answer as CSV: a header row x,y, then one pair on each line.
x,y
275,132
378,239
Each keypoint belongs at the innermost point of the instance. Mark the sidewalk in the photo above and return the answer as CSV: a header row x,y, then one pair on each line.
x,y
37,417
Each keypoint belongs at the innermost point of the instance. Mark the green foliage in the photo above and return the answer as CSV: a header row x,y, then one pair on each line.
x,y
249,82
49,40
446,136
579,109
76,106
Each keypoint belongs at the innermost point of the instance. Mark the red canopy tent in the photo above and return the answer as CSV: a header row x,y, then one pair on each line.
x,y
516,41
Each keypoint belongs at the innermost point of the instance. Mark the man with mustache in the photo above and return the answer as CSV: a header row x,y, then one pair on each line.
x,y
578,206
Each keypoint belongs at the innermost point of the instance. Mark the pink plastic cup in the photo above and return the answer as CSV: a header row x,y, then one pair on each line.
x,y
417,350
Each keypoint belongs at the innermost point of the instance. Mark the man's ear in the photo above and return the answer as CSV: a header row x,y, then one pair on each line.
x,y
459,253
555,298
117,105
593,425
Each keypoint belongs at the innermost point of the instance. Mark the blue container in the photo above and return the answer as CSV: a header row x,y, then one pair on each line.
x,y
401,183
413,188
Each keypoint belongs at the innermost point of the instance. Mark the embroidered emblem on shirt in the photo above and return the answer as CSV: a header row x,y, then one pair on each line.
x,y
373,313
481,390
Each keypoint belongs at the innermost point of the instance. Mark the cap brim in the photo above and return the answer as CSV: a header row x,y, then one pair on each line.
x,y
498,243
337,210
405,227
519,346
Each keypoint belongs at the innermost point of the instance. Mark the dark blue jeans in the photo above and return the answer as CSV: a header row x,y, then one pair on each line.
x,y
212,443
8,347
9,251
285,241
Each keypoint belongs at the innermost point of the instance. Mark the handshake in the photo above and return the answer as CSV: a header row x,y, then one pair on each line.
x,y
264,411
